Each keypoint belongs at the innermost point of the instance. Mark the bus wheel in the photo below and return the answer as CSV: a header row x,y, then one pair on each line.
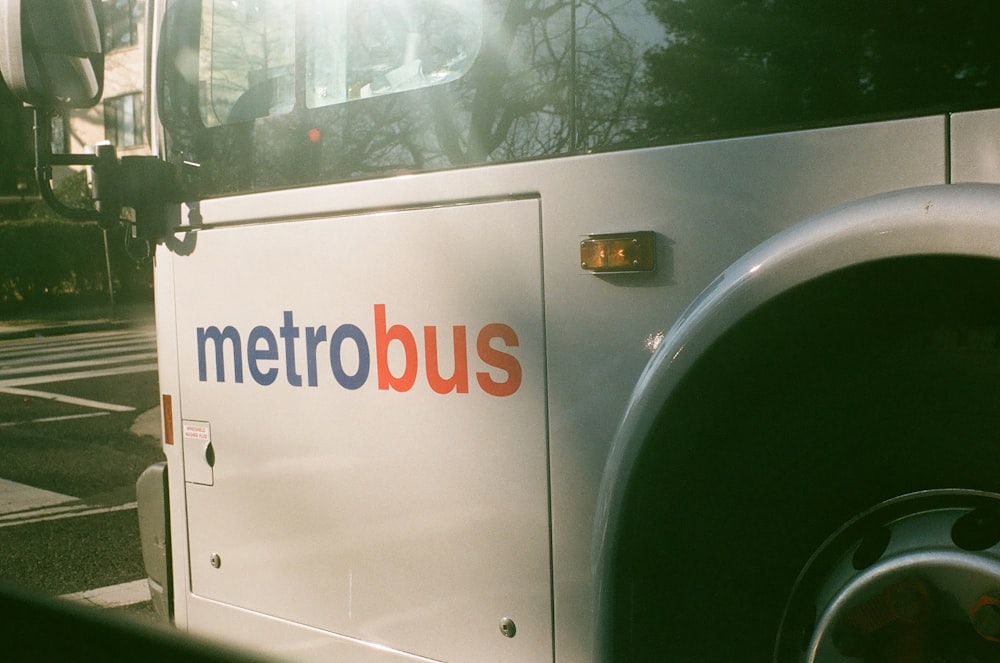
x,y
917,578
847,511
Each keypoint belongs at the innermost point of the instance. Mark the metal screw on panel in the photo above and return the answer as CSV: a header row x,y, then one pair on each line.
x,y
507,627
216,561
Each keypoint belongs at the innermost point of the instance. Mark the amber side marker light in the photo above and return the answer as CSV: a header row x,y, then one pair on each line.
x,y
168,419
619,252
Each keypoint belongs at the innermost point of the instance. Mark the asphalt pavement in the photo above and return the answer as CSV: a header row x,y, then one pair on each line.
x,y
79,320
93,546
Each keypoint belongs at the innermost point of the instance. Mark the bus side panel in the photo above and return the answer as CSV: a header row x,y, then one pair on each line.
x,y
975,151
708,203
169,380
365,448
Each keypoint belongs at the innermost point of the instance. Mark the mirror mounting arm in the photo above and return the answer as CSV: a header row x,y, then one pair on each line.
x,y
45,159
145,185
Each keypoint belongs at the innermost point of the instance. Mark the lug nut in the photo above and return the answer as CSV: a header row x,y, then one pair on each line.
x,y
848,639
986,620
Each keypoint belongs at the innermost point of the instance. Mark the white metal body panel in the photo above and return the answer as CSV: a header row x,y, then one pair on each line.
x,y
345,485
708,203
975,146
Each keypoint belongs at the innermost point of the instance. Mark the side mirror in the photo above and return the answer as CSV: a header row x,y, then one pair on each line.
x,y
51,58
50,52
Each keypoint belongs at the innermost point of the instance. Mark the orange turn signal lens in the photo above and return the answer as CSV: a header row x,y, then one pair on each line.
x,y
622,252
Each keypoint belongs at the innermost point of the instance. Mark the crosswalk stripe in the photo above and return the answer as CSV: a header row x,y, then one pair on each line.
x,y
44,362
28,358
89,511
46,420
68,365
77,375
69,400
115,596
18,497
60,510
44,346
26,363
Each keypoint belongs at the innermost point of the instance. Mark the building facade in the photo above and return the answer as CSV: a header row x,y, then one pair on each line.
x,y
121,117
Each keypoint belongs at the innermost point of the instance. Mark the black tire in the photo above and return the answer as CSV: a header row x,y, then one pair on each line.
x,y
746,478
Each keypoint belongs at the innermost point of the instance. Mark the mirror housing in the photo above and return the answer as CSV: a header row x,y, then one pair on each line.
x,y
50,52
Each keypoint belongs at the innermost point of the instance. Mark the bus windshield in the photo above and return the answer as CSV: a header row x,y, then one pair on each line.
x,y
352,50
284,93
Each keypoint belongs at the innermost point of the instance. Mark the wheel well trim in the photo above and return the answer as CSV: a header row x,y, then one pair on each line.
x,y
954,219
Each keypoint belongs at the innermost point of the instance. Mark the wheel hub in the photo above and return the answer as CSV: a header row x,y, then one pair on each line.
x,y
914,580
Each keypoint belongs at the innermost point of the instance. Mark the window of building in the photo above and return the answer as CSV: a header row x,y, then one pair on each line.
x,y
121,19
123,124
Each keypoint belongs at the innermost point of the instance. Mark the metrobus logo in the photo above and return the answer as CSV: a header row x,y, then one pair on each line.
x,y
263,355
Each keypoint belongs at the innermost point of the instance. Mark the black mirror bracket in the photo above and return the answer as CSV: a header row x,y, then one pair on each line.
x,y
45,159
139,191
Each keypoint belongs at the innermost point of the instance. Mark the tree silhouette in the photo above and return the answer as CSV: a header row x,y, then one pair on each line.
x,y
736,66
17,179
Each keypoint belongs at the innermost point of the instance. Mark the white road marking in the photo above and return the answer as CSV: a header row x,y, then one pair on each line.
x,y
19,497
69,400
48,361
41,361
115,596
77,375
21,504
73,339
68,365
72,507
28,519
31,356
48,420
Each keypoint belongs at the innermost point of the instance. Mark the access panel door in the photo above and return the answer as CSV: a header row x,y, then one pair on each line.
x,y
364,426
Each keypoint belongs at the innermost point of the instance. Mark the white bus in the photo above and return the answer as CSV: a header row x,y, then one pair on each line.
x,y
551,330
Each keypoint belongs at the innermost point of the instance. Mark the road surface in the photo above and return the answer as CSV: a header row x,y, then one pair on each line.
x,y
69,461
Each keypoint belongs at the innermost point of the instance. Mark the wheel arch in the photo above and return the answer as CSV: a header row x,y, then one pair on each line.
x,y
907,231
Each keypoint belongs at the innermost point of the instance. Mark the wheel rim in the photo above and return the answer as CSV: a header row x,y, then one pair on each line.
x,y
916,579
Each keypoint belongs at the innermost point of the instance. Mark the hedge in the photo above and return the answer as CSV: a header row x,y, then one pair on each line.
x,y
47,261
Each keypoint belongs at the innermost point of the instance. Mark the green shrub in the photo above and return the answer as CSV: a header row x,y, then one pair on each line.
x,y
47,261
